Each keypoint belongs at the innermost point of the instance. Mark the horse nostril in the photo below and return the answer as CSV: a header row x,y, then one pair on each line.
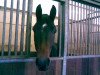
x,y
42,63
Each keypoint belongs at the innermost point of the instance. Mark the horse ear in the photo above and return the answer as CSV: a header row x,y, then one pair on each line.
x,y
53,13
38,12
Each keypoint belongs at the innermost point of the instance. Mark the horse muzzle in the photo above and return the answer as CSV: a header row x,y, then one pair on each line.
x,y
42,63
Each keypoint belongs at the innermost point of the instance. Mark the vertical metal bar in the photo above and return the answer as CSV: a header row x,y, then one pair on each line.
x,y
74,28
90,29
82,31
66,30
77,51
84,38
88,33
81,25
22,27
86,28
91,25
16,29
93,36
98,31
71,25
93,33
4,26
10,29
60,29
95,28
28,27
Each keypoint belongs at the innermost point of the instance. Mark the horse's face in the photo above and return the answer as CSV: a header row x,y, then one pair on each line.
x,y
44,31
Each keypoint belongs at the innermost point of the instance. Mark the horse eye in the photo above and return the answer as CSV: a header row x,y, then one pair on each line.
x,y
33,28
54,30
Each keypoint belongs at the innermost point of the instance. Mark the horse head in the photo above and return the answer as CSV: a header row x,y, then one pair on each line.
x,y
44,32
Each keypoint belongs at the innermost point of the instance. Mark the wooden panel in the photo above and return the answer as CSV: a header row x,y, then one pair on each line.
x,y
80,66
29,68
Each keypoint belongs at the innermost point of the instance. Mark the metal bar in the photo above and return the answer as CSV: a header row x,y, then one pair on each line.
x,y
88,35
73,26
22,27
98,32
61,1
77,31
74,30
12,24
85,19
84,30
95,11
4,27
66,30
71,42
16,29
32,59
9,60
28,27
83,56
93,34
91,26
76,24
80,31
90,30
10,29
60,29
84,38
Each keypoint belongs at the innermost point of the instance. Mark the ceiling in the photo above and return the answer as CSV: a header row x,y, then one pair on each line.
x,y
95,3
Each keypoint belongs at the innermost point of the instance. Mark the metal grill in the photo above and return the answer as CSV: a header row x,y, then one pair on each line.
x,y
24,50
84,29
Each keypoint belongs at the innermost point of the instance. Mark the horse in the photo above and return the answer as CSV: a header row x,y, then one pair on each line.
x,y
44,33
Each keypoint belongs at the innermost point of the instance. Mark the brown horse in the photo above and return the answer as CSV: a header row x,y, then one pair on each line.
x,y
44,32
